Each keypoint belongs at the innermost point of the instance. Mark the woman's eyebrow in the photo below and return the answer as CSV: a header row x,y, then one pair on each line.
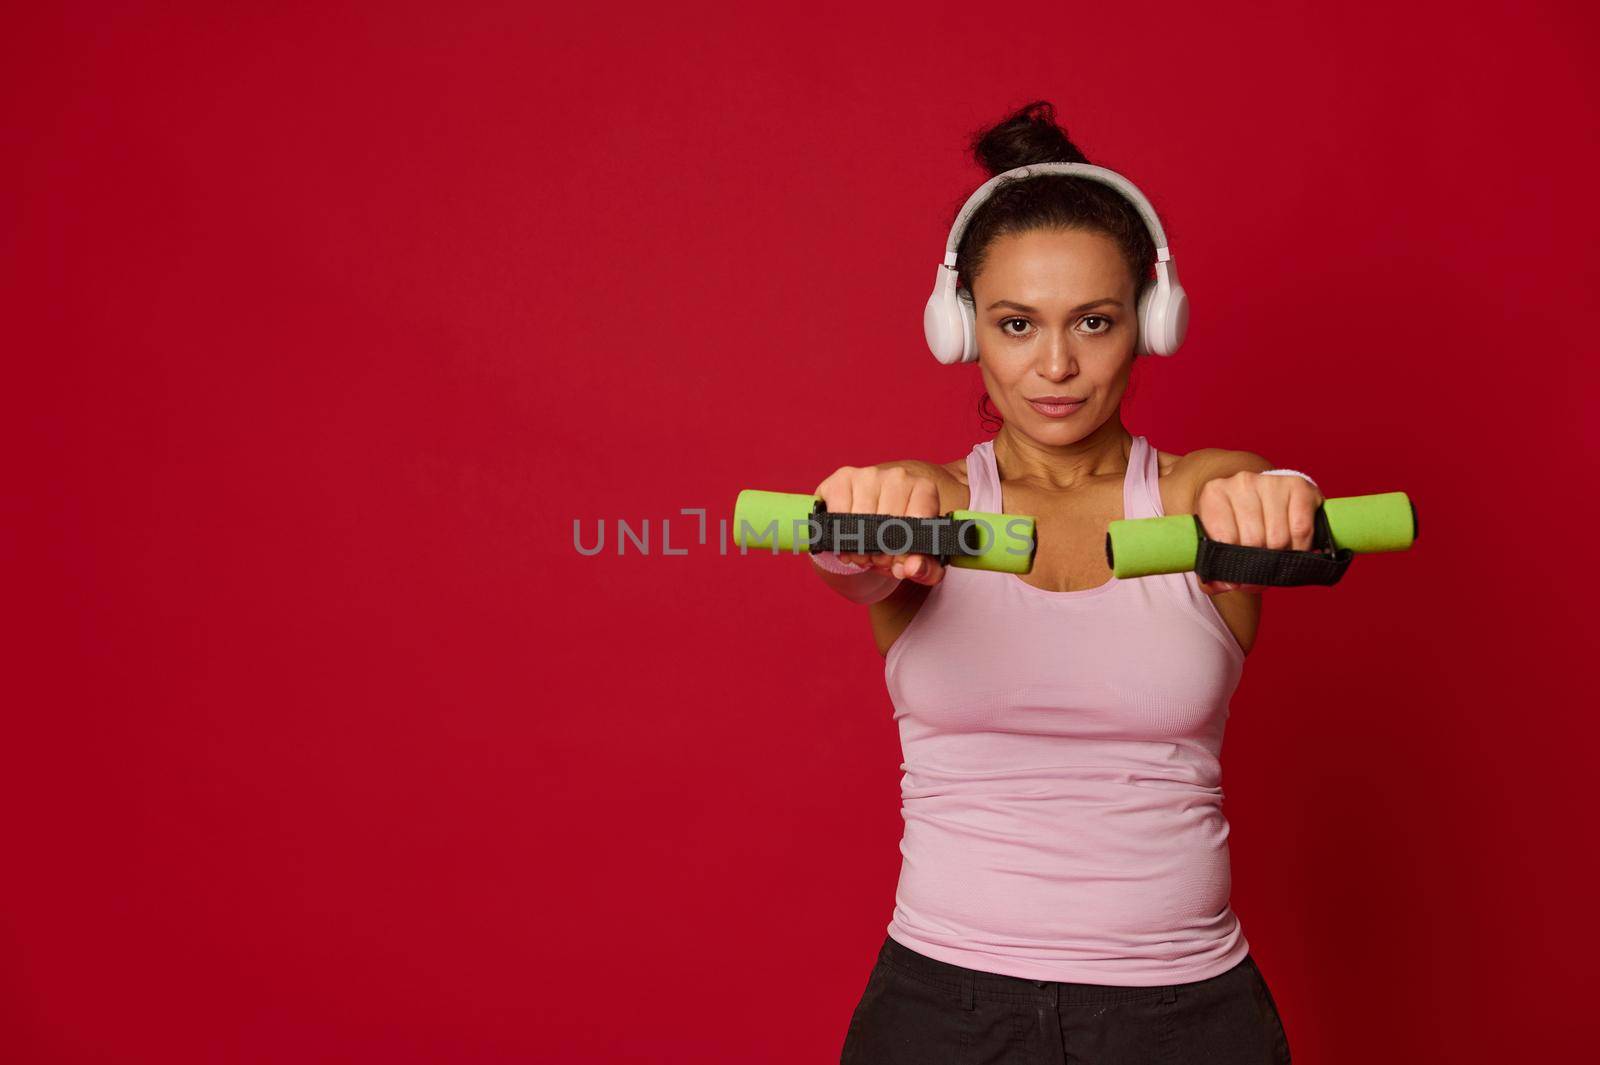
x,y
1024,308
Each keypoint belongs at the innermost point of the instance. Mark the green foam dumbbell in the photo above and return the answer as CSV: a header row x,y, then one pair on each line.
x,y
1140,547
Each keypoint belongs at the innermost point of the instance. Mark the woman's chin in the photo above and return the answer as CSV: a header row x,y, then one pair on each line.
x,y
1054,434
1074,422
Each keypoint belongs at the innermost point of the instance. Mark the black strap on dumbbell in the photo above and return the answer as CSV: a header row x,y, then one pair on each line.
x,y
883,534
1238,564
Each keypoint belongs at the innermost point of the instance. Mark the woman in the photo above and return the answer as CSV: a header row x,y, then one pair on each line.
x,y
1065,883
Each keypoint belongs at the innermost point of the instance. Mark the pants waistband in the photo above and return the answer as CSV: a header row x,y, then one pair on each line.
x,y
965,984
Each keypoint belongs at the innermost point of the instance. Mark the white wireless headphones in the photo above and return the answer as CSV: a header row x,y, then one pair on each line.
x,y
950,324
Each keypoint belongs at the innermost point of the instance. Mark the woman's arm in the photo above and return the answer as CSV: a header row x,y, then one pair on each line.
x,y
1238,505
907,487
1225,490
892,601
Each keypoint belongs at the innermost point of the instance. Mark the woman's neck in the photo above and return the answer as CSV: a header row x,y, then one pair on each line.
x,y
1023,460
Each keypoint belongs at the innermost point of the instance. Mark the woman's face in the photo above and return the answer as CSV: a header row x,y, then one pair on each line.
x,y
1055,318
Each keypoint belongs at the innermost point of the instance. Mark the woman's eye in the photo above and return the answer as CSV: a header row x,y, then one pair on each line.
x,y
1018,327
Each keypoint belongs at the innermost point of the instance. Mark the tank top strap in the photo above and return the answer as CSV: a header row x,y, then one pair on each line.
x,y
1141,487
983,479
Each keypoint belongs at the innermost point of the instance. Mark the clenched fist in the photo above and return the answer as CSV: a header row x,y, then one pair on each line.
x,y
894,491
1253,510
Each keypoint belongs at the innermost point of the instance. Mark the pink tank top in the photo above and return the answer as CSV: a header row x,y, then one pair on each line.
x,y
1062,790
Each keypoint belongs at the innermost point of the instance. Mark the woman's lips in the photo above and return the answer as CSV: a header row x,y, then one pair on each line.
x,y
1056,409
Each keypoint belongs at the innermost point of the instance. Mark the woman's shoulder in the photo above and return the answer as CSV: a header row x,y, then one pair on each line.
x,y
1187,472
1208,462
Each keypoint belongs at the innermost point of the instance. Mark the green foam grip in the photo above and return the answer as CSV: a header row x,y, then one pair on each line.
x,y
755,514
1370,524
1005,542
1141,547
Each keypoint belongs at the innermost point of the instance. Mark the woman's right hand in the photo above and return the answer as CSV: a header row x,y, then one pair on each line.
x,y
895,491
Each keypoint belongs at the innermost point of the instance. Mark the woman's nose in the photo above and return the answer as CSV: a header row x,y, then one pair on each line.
x,y
1056,359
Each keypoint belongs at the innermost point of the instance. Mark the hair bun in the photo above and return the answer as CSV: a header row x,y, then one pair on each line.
x,y
1027,135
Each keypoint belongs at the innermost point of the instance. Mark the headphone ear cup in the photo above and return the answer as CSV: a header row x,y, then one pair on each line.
x,y
1163,313
969,326
1142,318
941,320
1177,317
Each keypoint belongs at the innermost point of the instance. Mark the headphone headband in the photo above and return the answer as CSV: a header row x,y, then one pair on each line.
x,y
1084,170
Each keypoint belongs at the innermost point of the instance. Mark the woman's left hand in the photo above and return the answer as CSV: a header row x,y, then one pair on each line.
x,y
1255,511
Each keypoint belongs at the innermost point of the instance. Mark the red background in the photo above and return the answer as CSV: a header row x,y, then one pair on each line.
x,y
325,323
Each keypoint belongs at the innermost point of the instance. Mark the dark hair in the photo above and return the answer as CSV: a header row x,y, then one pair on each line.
x,y
1043,201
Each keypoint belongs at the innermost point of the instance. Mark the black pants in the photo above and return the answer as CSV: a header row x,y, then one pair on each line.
x,y
919,1011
